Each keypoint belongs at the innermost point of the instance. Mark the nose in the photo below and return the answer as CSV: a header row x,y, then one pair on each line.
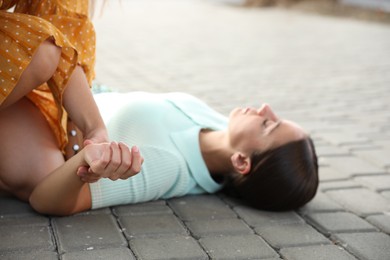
x,y
266,111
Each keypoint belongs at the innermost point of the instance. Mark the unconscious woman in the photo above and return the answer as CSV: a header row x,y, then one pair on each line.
x,y
188,148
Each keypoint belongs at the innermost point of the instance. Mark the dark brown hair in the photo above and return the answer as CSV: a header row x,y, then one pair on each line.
x,y
284,178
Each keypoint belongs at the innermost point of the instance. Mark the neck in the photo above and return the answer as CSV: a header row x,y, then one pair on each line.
x,y
216,153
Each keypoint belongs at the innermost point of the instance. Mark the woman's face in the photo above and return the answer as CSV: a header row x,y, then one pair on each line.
x,y
252,129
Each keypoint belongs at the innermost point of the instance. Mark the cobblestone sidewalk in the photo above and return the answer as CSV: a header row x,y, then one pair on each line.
x,y
331,75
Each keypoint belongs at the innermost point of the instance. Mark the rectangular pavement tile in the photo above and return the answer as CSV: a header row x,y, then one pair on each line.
x,y
321,252
147,208
29,255
83,232
386,194
37,220
151,225
191,208
331,150
109,253
342,138
10,206
291,235
339,222
320,203
381,221
254,217
378,156
366,246
105,210
328,173
26,238
352,165
170,247
360,201
377,182
237,247
219,227
337,185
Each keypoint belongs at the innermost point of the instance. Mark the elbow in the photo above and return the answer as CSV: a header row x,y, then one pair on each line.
x,y
45,208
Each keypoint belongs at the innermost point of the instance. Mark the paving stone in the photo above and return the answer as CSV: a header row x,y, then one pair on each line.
x,y
378,157
26,238
84,232
153,207
362,202
350,165
322,252
237,247
151,225
220,227
95,212
331,150
10,206
366,246
386,194
380,221
29,255
110,253
337,185
378,183
320,203
339,222
175,247
254,217
291,235
231,201
342,138
361,147
24,221
331,174
200,207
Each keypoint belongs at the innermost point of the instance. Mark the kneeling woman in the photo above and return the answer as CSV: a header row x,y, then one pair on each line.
x,y
188,148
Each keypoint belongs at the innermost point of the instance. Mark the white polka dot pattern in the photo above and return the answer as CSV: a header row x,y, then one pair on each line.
x,y
21,33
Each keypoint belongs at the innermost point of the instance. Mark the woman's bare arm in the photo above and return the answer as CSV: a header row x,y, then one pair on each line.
x,y
63,193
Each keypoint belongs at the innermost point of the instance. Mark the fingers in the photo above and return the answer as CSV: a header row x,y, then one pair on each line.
x,y
136,163
131,162
121,163
114,161
113,167
102,162
86,175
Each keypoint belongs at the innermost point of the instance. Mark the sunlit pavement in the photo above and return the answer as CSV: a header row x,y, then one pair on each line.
x,y
331,75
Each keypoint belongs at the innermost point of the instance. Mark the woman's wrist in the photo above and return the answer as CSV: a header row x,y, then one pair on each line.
x,y
98,134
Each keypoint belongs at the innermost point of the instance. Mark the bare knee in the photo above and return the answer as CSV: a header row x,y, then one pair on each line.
x,y
45,61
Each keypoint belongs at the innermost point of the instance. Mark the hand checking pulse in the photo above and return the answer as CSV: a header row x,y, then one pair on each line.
x,y
110,160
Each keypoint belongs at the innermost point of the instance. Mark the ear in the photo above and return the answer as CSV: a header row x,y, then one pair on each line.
x,y
241,162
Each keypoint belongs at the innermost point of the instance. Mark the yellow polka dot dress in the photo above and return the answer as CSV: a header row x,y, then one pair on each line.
x,y
24,25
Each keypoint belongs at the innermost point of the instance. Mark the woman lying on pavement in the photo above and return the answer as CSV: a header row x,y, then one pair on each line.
x,y
187,148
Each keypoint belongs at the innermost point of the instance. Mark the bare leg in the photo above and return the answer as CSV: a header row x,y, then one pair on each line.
x,y
29,150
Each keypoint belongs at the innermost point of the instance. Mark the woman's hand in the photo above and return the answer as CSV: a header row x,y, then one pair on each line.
x,y
110,160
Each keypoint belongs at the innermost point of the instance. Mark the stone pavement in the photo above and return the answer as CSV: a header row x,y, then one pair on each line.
x,y
331,75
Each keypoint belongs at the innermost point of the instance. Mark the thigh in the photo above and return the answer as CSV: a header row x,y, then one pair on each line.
x,y
29,150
